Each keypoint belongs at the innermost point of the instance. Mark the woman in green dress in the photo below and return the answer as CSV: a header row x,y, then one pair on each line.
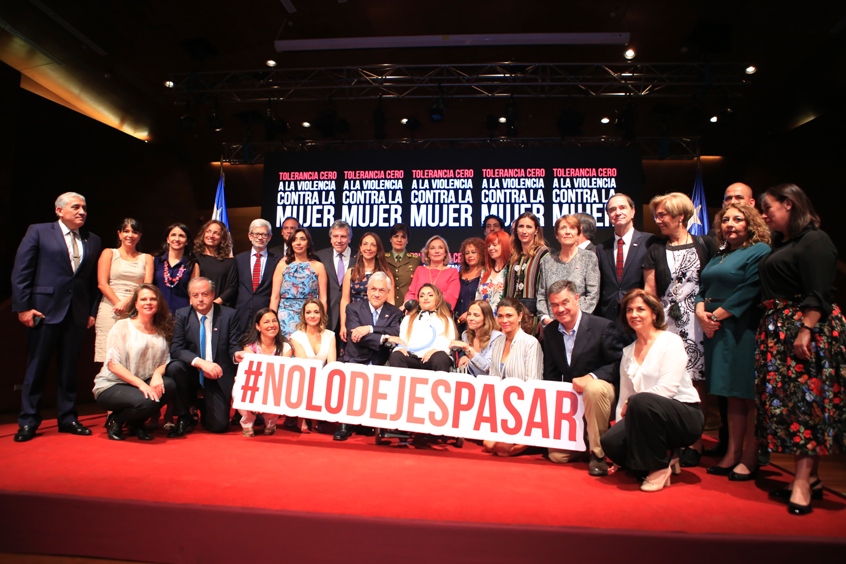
x,y
726,309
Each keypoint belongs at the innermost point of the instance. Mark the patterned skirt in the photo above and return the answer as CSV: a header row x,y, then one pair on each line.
x,y
801,405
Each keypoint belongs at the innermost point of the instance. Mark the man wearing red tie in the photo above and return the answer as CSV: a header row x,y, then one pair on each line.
x,y
255,273
54,292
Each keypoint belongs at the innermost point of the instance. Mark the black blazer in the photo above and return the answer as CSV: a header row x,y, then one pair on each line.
x,y
250,302
369,349
610,290
43,276
225,340
597,349
333,289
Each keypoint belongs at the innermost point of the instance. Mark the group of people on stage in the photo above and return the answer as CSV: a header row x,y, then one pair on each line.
x,y
648,323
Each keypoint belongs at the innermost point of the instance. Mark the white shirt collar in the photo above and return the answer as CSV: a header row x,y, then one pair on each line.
x,y
627,238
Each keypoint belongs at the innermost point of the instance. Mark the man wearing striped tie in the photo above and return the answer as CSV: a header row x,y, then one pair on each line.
x,y
255,273
54,292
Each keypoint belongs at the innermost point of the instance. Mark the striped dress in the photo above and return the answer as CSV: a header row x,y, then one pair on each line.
x,y
522,283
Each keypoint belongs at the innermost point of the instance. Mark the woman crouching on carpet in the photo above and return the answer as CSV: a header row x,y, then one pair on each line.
x,y
132,383
514,355
265,337
658,410
426,333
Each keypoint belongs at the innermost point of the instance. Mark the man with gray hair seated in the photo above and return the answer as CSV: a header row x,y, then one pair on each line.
x,y
255,273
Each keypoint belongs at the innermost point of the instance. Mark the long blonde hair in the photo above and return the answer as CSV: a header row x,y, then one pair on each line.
x,y
441,309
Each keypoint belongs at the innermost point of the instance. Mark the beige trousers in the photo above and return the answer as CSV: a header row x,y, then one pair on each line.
x,y
598,396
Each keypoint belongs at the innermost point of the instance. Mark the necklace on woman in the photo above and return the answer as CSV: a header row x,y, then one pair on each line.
x,y
433,282
268,350
169,281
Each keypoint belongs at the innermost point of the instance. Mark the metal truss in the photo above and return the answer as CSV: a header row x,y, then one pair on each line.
x,y
489,80
653,148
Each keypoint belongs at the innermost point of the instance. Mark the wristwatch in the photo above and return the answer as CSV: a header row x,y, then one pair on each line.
x,y
714,318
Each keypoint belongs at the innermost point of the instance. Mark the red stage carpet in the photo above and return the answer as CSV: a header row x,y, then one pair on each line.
x,y
223,497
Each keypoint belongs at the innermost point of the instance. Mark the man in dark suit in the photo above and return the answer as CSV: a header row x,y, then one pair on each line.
x,y
402,263
337,259
585,350
290,225
205,340
255,274
54,292
369,324
621,258
588,234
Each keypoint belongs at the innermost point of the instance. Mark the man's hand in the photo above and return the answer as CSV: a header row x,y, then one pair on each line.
x,y
210,369
28,317
359,333
91,322
580,383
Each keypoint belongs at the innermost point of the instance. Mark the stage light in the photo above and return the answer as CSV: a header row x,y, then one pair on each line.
x,y
436,113
306,124
168,83
626,122
215,122
605,120
271,63
751,69
412,124
404,121
714,119
503,119
629,54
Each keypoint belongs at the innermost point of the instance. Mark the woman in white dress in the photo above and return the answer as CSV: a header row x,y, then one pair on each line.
x,y
119,274
132,383
312,340
425,334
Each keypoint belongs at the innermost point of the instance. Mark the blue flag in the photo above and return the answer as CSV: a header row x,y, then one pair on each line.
x,y
699,223
219,212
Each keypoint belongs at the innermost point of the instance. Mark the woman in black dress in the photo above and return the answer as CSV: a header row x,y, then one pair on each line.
x,y
801,345
213,249
471,261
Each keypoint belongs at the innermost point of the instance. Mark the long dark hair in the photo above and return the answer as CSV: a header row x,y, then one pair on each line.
x,y
289,256
802,214
188,252
380,264
162,320
252,335
132,224
224,250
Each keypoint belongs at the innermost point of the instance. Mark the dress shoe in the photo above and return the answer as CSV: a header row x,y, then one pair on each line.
x,y
718,449
597,466
140,432
738,477
657,481
783,494
25,433
343,433
366,431
719,470
690,458
796,509
74,428
114,430
183,426
763,457
270,429
248,432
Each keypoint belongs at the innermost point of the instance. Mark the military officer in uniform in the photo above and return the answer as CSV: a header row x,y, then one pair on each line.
x,y
402,263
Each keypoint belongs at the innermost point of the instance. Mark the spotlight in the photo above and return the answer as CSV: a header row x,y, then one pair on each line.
x,y
714,119
751,69
605,120
629,54
215,122
412,124
626,122
436,113
168,83
271,63
503,119
404,121
306,124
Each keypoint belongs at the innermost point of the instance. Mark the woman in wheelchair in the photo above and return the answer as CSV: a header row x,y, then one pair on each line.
x,y
426,333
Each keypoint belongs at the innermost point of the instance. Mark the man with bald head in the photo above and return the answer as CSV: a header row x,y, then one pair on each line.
x,y
738,193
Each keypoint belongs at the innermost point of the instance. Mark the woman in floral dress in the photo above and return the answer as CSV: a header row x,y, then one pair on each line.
x,y
297,277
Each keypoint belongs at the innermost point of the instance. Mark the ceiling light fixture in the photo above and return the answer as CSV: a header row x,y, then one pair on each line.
x,y
168,83
270,63
714,119
503,119
605,120
306,124
404,121
751,69
629,54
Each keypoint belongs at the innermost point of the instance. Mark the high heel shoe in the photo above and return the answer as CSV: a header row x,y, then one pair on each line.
x,y
783,494
657,480
675,467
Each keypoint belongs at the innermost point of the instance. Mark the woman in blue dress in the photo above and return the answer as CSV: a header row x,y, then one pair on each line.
x,y
370,259
297,277
173,267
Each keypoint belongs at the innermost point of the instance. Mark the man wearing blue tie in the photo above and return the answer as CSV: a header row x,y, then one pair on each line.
x,y
54,292
205,340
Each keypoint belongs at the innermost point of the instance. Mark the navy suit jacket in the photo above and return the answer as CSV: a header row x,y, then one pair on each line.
x,y
333,289
612,291
597,349
43,276
369,348
225,340
250,302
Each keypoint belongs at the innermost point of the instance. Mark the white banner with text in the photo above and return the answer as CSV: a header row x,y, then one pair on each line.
x,y
537,412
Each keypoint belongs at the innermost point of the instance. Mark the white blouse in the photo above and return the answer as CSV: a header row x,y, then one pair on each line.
x,y
326,340
663,372
525,359
136,351
430,333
